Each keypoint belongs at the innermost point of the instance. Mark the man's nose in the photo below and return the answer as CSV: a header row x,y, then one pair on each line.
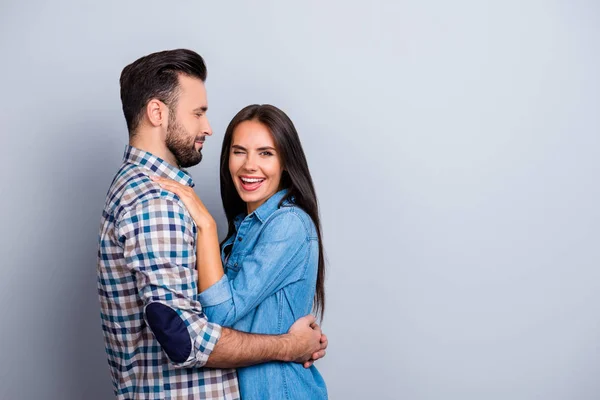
x,y
207,129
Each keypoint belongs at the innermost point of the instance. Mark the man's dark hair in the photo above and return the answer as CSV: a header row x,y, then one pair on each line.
x,y
155,76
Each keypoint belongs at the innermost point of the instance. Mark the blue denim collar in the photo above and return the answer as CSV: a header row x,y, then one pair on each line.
x,y
265,210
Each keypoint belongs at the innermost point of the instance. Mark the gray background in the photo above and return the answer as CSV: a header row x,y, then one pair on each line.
x,y
455,150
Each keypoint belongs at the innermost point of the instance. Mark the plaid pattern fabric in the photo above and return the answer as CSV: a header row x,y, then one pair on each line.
x,y
147,255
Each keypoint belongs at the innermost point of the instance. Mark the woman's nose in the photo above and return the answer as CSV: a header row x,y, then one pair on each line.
x,y
250,164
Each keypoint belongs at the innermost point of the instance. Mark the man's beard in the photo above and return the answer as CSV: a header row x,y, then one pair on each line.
x,y
183,149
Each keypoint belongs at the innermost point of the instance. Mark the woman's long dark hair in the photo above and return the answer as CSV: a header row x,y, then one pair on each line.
x,y
296,177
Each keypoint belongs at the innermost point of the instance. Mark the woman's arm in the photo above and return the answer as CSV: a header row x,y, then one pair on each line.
x,y
208,255
280,258
284,254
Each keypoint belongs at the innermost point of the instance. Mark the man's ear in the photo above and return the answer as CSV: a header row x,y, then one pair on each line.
x,y
156,112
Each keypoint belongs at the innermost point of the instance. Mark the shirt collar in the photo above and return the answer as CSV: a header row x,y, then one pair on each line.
x,y
160,167
265,210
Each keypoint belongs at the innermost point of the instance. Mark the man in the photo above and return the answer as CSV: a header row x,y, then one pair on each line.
x,y
157,338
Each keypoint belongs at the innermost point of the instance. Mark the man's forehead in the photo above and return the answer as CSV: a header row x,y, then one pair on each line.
x,y
192,88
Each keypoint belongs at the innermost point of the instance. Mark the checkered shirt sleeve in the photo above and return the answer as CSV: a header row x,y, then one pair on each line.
x,y
158,242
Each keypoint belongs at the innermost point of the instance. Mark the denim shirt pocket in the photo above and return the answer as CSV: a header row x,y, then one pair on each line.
x,y
233,264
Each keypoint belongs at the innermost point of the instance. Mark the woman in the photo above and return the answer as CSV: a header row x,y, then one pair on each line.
x,y
270,267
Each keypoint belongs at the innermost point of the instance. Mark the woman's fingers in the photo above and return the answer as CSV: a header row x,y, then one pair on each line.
x,y
165,181
185,193
173,188
172,185
196,208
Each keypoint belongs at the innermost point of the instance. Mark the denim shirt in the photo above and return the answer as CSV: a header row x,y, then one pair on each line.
x,y
269,282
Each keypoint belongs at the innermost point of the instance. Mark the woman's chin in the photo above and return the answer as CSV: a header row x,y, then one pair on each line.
x,y
244,196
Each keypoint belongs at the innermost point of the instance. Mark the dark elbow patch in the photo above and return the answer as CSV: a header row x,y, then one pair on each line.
x,y
170,331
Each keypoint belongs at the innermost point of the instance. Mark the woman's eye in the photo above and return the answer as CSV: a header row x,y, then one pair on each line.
x,y
238,152
266,153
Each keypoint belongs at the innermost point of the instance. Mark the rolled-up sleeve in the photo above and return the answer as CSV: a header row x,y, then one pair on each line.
x,y
158,243
278,259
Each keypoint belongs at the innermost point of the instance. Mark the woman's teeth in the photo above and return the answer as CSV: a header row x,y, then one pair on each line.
x,y
252,180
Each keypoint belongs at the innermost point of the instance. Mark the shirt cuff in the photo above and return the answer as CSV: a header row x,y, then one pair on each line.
x,y
205,342
218,293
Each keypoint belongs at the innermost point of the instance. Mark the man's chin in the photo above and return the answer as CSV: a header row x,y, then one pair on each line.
x,y
190,162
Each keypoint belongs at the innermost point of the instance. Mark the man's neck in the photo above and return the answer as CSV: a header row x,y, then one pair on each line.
x,y
144,141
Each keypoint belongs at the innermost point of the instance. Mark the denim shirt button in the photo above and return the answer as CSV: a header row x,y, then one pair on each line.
x,y
235,264
240,239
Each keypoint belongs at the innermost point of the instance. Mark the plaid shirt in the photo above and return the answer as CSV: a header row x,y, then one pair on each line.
x,y
147,256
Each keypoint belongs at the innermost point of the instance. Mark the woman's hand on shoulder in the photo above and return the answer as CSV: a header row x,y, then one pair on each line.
x,y
192,202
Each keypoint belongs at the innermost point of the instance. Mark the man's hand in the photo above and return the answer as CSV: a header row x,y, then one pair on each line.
x,y
319,354
307,343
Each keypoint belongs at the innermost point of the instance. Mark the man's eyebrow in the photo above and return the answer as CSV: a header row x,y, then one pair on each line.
x,y
201,109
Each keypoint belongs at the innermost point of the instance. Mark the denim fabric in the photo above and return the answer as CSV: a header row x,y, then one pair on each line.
x,y
270,276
